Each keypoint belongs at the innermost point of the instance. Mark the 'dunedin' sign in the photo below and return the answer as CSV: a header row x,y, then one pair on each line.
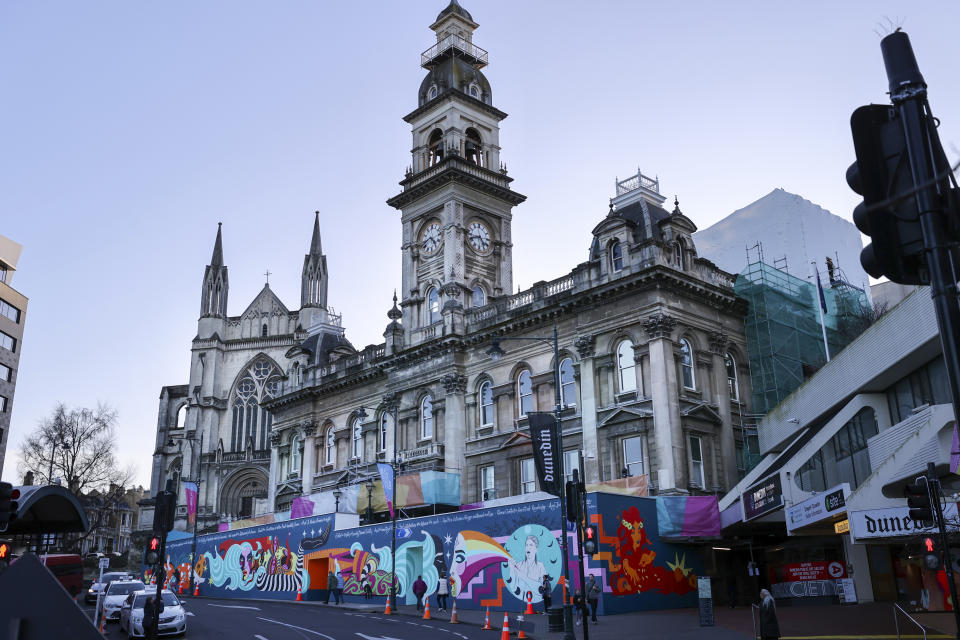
x,y
893,522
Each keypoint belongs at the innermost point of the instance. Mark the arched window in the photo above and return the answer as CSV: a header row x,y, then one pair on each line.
x,y
382,444
479,296
524,393
732,385
686,365
486,404
436,147
568,390
432,93
295,455
616,257
252,423
298,373
474,147
678,254
626,366
357,439
426,418
433,306
474,91
330,445
263,330
181,416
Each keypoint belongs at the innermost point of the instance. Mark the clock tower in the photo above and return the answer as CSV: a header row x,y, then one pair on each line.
x,y
456,204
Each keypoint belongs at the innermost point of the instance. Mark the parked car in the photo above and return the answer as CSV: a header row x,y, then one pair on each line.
x,y
91,596
173,618
116,592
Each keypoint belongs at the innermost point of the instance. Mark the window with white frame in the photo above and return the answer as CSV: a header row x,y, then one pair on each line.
x,y
295,455
568,388
571,461
686,365
616,257
6,373
524,393
732,384
382,444
426,418
486,404
488,490
528,476
696,463
626,366
330,444
357,438
8,342
479,297
633,455
10,311
433,306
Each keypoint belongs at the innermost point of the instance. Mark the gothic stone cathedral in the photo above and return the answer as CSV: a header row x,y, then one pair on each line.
x,y
652,356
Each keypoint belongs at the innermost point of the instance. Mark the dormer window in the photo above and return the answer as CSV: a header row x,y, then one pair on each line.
x,y
436,147
432,93
474,147
616,257
678,255
474,91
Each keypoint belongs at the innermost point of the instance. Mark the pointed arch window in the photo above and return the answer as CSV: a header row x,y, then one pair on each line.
x,y
686,365
486,404
732,383
474,147
357,439
432,93
330,445
678,254
263,330
433,306
524,393
435,145
568,388
426,418
616,256
251,423
626,366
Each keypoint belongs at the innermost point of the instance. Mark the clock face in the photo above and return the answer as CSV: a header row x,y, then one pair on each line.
x,y
430,238
479,237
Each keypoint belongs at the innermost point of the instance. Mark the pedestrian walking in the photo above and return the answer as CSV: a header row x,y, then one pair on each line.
x,y
443,588
546,592
769,627
593,597
339,588
331,587
367,588
419,589
580,608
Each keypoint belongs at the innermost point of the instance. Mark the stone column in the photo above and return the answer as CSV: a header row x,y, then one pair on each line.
x,y
588,409
454,424
274,470
391,402
728,447
663,393
309,429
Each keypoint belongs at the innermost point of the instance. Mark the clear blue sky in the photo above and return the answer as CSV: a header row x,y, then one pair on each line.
x,y
129,129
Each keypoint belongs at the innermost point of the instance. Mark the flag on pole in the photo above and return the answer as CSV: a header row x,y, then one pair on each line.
x,y
823,300
386,479
191,490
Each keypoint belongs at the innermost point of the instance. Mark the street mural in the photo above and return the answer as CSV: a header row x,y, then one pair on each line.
x,y
495,557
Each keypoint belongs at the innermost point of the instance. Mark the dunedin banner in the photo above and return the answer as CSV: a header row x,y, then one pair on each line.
x,y
546,451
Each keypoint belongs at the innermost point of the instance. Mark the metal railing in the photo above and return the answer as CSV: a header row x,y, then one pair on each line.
x,y
636,182
454,41
461,164
754,615
896,621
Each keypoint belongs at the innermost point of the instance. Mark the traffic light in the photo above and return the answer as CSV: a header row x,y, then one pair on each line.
x,y
151,554
918,499
888,213
573,490
164,511
590,539
8,504
931,557
4,551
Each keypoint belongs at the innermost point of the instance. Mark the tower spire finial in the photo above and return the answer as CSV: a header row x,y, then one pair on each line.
x,y
315,248
217,259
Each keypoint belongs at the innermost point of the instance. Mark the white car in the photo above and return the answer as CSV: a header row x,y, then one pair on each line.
x,y
117,591
91,596
173,618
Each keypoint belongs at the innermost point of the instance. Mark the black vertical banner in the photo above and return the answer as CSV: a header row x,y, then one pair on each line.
x,y
546,451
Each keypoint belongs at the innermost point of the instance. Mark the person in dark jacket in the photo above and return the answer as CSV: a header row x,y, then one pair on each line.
x,y
593,597
419,588
332,588
769,627
546,592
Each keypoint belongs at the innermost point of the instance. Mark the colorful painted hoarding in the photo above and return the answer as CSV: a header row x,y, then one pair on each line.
x,y
494,557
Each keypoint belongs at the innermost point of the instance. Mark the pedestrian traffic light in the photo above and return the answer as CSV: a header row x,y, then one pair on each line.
x,y
590,539
931,556
888,213
8,504
918,499
151,554
4,551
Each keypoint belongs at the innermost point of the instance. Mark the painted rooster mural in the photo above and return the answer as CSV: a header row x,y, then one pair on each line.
x,y
636,572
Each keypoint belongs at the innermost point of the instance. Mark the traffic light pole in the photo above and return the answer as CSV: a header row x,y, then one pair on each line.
x,y
581,518
933,486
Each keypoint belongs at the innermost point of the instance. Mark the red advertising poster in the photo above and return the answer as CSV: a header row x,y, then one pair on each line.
x,y
813,571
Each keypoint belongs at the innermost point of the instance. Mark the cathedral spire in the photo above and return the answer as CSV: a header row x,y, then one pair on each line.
x,y
313,288
213,302
217,259
315,249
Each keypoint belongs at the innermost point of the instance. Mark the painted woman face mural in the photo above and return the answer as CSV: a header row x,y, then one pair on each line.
x,y
534,554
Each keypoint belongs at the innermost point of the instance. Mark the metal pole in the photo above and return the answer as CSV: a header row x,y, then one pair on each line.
x,y
567,608
933,491
196,516
395,402
580,525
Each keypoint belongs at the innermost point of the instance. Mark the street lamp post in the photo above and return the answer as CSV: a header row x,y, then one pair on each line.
x,y
336,496
495,353
196,518
369,485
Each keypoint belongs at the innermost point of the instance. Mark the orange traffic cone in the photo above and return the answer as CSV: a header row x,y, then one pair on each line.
x,y
180,588
426,610
299,594
196,588
505,633
486,622
386,611
453,615
529,611
520,634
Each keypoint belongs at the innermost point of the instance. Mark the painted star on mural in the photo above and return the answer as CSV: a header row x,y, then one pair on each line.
x,y
447,539
313,532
